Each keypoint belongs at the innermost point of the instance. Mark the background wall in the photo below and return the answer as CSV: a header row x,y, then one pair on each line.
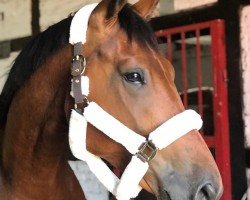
x,y
5,66
53,11
15,15
15,18
187,4
172,6
245,60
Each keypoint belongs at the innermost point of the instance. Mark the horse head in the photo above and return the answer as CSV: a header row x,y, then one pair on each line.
x,y
133,82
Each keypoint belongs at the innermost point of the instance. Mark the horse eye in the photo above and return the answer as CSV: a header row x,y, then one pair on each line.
x,y
134,77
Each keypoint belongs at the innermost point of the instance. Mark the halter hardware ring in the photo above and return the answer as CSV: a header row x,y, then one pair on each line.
x,y
79,107
147,151
79,69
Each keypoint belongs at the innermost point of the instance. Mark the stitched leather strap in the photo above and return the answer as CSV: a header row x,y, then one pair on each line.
x,y
78,67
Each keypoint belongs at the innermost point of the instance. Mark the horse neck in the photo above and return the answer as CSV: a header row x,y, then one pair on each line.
x,y
36,140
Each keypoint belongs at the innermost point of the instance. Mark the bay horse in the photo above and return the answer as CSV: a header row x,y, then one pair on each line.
x,y
129,78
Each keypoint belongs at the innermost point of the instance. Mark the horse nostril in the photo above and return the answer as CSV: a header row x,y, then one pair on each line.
x,y
207,192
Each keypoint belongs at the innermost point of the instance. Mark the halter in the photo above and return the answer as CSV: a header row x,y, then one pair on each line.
x,y
142,149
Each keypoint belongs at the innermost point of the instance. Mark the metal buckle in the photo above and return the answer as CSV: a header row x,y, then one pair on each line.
x,y
79,107
147,151
79,70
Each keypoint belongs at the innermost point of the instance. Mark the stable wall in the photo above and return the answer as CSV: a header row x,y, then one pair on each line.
x,y
245,61
54,11
5,66
15,15
15,19
187,4
173,6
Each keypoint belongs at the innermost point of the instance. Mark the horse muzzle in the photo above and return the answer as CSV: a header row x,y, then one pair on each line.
x,y
185,170
204,192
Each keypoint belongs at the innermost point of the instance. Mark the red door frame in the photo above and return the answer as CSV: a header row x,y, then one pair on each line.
x,y
220,140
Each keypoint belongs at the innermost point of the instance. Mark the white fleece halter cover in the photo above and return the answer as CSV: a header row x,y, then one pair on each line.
x,y
173,129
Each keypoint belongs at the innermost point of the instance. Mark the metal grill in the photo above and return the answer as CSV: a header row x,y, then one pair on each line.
x,y
198,54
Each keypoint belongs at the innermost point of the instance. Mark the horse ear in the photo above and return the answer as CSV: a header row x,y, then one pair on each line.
x,y
102,22
114,7
145,8
107,11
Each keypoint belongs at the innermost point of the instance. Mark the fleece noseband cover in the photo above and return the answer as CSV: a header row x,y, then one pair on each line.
x,y
128,186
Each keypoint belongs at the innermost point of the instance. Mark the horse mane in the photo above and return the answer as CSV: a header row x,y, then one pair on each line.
x,y
30,59
53,39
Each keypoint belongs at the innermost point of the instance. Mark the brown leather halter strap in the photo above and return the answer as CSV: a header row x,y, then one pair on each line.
x,y
77,70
